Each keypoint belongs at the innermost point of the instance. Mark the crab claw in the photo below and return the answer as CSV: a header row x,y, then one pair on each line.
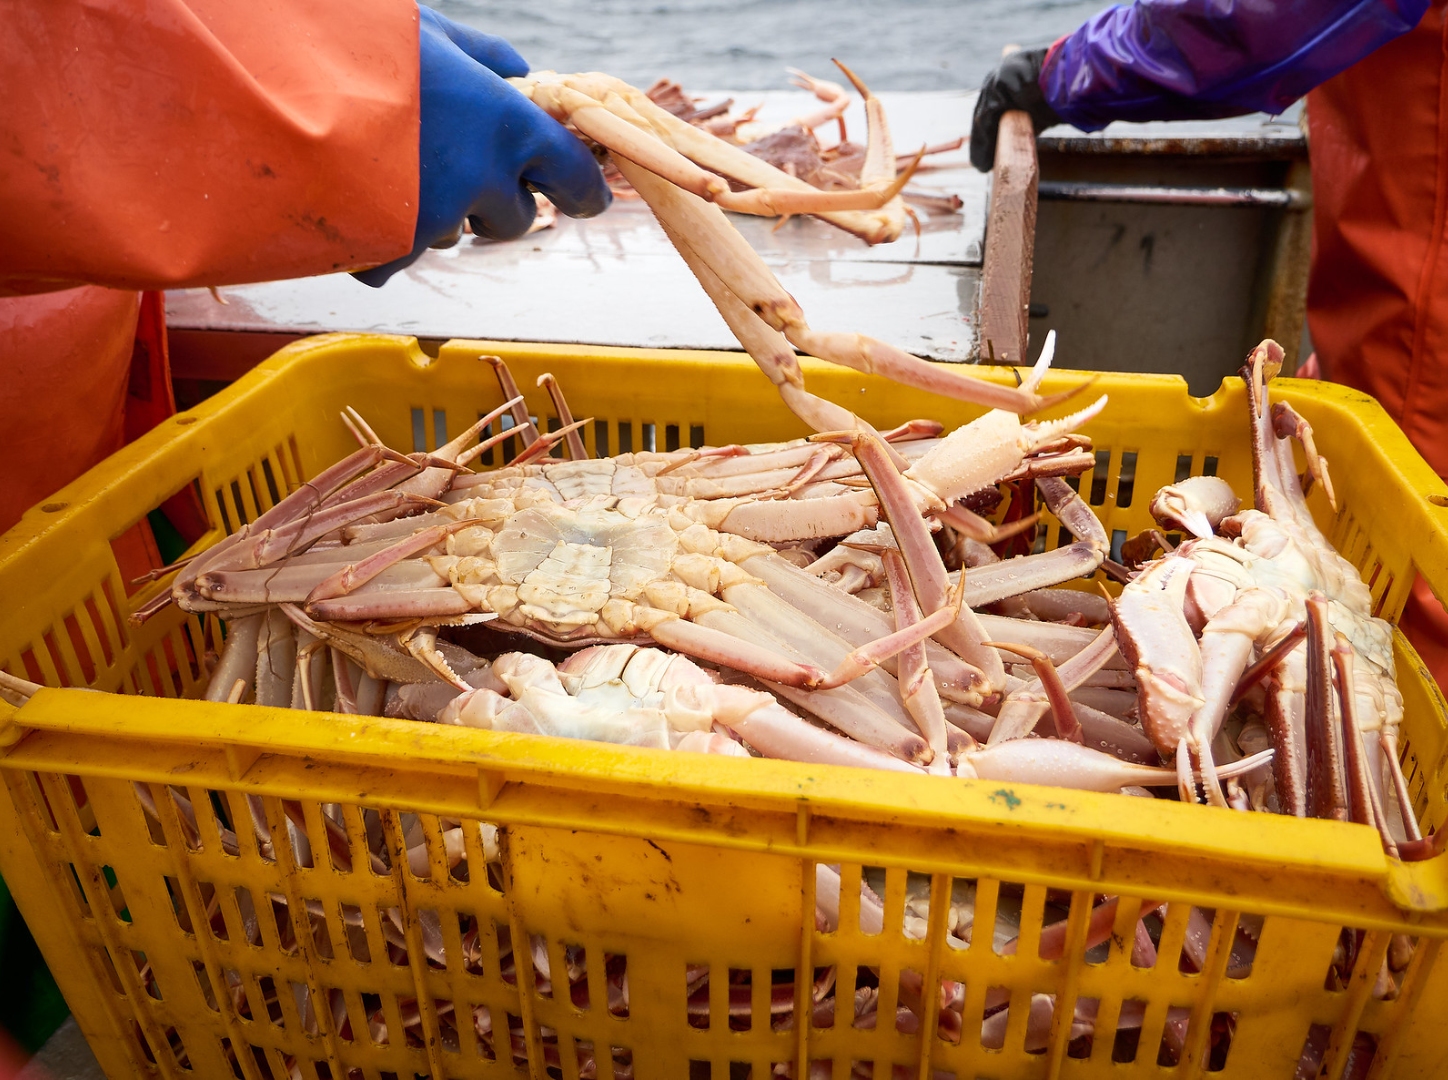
x,y
1195,505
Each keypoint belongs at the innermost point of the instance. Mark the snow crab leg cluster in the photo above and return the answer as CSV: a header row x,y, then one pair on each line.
x,y
696,551
1257,608
816,572
680,170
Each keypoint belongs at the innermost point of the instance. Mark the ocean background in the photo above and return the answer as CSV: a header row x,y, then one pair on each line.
x,y
747,44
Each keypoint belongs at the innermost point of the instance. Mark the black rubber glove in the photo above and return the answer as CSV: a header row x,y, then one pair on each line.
x,y
1015,84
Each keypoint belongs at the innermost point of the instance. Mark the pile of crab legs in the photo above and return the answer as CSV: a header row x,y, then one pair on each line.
x,y
713,554
776,495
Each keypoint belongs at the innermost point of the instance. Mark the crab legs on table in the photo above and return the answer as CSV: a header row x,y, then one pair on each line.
x,y
679,171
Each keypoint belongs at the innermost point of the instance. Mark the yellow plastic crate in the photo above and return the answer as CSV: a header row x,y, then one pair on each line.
x,y
657,862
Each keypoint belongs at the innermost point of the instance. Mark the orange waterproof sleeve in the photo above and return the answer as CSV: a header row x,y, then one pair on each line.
x,y
1378,299
163,143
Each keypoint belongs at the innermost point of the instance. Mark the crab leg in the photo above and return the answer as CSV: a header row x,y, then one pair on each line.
x,y
703,227
312,653
879,164
1058,763
1023,709
1227,642
276,657
983,529
391,604
379,656
1263,666
965,636
314,491
858,623
576,450
716,155
1047,689
705,643
266,546
1287,727
765,345
292,583
521,420
342,673
413,474
787,519
917,687
1388,746
483,446
1058,641
914,632
307,498
354,575
1278,493
544,443
778,733
813,643
238,658
845,707
1102,731
1286,423
1011,577
454,455
1326,794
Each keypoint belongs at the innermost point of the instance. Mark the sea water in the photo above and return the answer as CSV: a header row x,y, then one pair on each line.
x,y
747,44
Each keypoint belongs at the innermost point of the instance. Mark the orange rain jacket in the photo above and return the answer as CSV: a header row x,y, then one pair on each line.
x,y
1378,298
150,144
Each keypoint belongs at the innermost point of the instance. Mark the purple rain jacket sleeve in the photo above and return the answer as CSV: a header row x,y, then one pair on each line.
x,y
1199,59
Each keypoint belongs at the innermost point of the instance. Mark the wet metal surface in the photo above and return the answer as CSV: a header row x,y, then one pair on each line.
x,y
1105,273
1255,136
1076,191
616,280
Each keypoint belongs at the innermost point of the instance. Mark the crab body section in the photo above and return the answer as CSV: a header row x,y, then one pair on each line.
x,y
570,574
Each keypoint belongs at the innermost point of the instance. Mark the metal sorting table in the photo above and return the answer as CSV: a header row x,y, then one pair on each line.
x,y
616,280
1196,192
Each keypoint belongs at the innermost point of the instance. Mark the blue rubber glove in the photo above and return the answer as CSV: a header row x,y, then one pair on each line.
x,y
483,143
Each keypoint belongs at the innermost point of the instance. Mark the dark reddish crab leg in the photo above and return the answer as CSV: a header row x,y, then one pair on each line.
x,y
1023,709
1269,660
1064,713
1363,802
521,420
1388,744
1327,796
576,450
1011,577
